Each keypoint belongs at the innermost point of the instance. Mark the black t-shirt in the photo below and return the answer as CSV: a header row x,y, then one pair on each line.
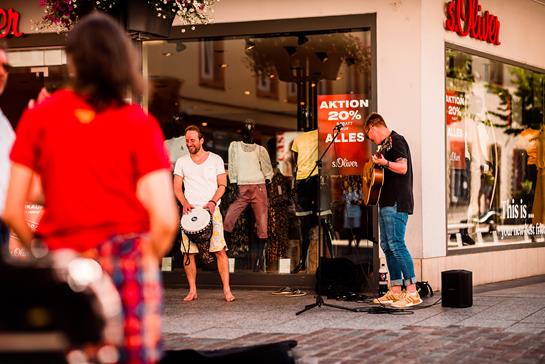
x,y
398,188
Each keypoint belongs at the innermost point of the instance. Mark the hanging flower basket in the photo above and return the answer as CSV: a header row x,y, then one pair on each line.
x,y
153,17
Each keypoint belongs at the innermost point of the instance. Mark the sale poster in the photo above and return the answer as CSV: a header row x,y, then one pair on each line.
x,y
343,116
455,103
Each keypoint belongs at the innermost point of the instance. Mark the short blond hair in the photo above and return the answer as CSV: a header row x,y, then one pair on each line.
x,y
194,128
374,119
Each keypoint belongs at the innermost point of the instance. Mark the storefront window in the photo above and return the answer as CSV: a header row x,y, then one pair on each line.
x,y
495,152
273,82
32,70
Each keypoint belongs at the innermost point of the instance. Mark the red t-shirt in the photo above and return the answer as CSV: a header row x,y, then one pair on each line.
x,y
90,164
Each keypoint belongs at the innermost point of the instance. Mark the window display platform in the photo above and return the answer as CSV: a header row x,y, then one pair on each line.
x,y
259,280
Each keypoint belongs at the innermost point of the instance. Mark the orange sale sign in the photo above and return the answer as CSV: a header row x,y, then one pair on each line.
x,y
348,153
455,103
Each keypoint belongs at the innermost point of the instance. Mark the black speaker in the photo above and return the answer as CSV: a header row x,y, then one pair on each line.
x,y
456,288
338,276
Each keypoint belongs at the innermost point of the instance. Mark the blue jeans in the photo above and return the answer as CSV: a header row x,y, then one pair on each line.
x,y
392,242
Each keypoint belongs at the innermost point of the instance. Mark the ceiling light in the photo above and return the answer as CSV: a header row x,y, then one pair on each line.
x,y
322,56
301,40
249,45
204,124
180,46
247,92
224,65
167,54
291,50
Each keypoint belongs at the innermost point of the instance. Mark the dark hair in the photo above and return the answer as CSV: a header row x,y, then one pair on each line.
x,y
194,128
374,119
104,61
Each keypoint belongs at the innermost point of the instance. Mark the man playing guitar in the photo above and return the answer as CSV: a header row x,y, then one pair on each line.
x,y
395,204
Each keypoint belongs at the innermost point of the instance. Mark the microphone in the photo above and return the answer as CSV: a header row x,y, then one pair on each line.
x,y
338,127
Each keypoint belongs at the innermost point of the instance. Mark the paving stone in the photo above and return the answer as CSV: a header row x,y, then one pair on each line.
x,y
504,325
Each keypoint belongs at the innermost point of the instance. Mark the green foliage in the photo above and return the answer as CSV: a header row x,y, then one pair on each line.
x,y
530,90
459,65
529,93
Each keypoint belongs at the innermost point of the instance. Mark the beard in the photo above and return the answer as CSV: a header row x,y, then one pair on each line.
x,y
194,149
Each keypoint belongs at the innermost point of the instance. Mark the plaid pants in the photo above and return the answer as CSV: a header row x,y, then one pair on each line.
x,y
138,281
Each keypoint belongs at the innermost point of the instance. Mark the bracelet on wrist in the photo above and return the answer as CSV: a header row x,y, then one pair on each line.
x,y
214,202
387,164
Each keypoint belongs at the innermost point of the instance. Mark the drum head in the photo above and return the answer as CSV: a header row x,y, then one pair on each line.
x,y
196,220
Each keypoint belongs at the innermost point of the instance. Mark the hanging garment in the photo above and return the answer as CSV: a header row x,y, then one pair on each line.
x,y
240,239
280,214
249,164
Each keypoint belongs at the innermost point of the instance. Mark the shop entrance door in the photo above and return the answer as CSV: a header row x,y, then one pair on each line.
x,y
22,86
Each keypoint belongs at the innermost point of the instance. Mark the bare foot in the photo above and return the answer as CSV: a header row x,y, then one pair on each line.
x,y
191,296
229,296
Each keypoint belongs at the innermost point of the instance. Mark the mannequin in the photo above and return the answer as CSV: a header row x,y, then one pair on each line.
x,y
352,213
250,168
305,154
176,148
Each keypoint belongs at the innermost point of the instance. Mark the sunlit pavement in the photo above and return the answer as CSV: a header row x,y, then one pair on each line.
x,y
505,324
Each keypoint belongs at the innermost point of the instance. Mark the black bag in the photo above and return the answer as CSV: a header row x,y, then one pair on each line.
x,y
338,276
277,353
424,289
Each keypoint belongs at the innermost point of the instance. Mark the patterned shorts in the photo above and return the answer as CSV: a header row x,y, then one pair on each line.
x,y
138,281
217,241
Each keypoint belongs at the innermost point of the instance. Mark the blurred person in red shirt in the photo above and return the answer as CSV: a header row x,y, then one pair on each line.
x,y
105,177
7,137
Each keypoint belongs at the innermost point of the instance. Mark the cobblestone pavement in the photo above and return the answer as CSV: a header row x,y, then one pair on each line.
x,y
505,324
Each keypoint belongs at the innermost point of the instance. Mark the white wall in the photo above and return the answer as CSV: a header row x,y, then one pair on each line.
x,y
432,133
522,32
30,12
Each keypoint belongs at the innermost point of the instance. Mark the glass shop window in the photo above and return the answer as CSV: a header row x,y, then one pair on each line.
x,y
495,152
272,83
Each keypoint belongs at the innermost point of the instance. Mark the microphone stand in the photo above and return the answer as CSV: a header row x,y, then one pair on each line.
x,y
319,299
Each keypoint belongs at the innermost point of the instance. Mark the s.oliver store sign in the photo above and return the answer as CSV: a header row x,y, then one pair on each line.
x,y
9,23
468,18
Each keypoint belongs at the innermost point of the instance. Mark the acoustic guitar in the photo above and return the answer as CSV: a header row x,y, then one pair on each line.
x,y
373,177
